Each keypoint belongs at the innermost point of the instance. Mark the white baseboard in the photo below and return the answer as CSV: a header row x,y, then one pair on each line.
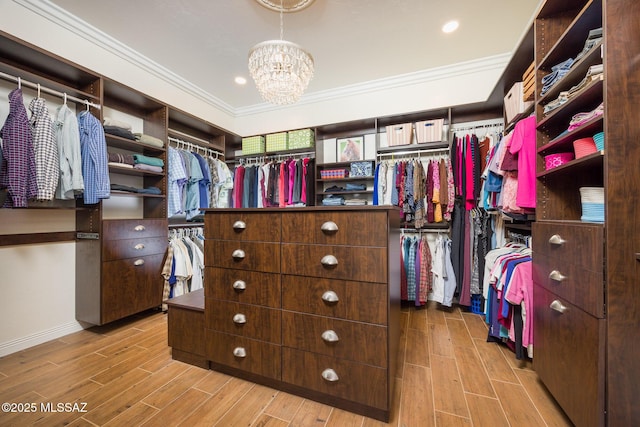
x,y
22,343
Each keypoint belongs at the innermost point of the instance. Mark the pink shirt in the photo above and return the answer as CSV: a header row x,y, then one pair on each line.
x,y
520,291
523,144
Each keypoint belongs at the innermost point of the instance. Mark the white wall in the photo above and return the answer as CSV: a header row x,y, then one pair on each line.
x,y
38,281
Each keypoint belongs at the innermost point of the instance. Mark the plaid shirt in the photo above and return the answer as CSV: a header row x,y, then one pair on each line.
x,y
45,149
95,171
18,172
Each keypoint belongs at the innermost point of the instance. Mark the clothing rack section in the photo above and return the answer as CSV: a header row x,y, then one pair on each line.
x,y
479,126
40,88
196,148
183,269
257,160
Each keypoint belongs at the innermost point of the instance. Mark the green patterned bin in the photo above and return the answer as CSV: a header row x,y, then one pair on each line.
x,y
302,138
253,145
276,142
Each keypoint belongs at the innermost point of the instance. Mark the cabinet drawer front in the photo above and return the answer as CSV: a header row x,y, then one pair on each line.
x,y
579,244
250,321
242,286
249,355
355,341
130,286
134,228
580,287
132,248
254,256
354,381
335,228
335,262
569,357
238,225
360,301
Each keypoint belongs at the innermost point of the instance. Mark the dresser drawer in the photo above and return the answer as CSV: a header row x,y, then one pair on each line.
x,y
360,301
251,321
356,382
569,357
335,228
243,286
335,262
254,256
242,353
132,248
580,244
116,229
246,226
579,286
355,341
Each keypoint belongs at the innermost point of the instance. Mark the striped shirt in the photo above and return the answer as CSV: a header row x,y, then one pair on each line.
x,y
45,149
18,172
93,147
68,139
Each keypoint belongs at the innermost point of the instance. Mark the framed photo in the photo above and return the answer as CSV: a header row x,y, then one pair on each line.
x,y
350,149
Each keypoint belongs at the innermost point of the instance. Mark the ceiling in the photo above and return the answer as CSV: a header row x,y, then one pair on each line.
x,y
206,42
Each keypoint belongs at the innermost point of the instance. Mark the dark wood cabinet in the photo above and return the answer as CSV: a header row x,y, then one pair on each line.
x,y
310,304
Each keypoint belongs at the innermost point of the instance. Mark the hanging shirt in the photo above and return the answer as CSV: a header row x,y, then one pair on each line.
x,y
523,143
67,135
45,149
93,148
177,180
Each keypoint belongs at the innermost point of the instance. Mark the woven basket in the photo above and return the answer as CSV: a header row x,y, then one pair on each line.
x,y
592,199
584,146
558,159
598,138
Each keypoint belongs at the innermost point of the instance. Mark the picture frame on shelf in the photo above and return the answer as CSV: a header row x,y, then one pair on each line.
x,y
350,149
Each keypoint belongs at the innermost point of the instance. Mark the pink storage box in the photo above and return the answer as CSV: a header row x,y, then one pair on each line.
x,y
558,159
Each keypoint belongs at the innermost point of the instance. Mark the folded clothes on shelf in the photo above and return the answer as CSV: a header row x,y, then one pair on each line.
x,y
118,131
558,71
153,161
582,118
356,187
148,139
332,200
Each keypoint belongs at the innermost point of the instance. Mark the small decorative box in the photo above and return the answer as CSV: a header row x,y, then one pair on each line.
x,y
558,159
361,169
334,173
399,134
253,145
277,141
302,138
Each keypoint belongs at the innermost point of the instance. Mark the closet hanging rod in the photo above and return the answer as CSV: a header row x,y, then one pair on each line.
x,y
22,82
187,136
470,126
192,145
426,152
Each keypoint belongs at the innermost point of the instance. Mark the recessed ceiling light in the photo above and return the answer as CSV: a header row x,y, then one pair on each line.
x,y
450,26
240,80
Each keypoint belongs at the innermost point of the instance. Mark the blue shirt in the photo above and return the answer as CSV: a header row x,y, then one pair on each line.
x,y
93,149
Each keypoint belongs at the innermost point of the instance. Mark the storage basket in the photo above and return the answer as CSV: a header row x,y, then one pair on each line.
x,y
477,304
514,102
592,199
583,147
528,83
334,173
399,134
253,145
598,138
277,141
429,131
303,138
558,159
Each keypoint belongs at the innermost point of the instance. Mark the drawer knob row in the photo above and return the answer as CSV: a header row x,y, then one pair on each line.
x,y
329,227
330,375
138,262
329,261
139,228
239,226
139,247
558,306
239,319
330,336
330,296
238,254
239,352
557,276
240,285
556,240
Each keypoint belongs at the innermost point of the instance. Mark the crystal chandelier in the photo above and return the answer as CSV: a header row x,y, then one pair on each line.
x,y
281,69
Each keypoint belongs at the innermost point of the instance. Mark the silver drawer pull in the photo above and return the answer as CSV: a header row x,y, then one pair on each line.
x,y
329,261
556,240
557,276
330,336
330,296
558,306
239,285
139,228
239,319
138,262
239,225
329,227
330,375
238,254
239,352
138,247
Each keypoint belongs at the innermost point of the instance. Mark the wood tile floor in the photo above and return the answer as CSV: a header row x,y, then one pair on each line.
x,y
123,375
